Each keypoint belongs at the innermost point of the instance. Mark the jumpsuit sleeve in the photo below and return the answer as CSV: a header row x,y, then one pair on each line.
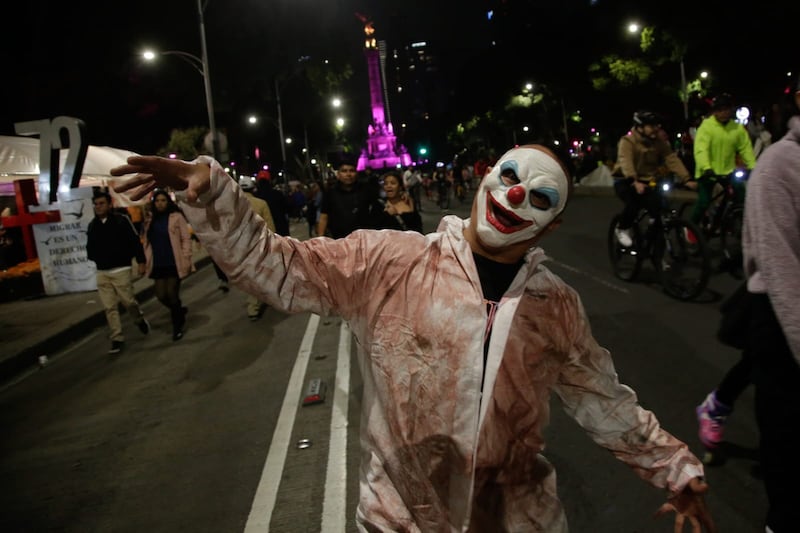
x,y
322,275
186,241
611,415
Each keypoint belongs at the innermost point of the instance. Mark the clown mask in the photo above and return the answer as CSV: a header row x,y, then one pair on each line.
x,y
524,192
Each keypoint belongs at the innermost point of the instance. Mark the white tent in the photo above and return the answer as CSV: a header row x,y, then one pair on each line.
x,y
19,159
599,177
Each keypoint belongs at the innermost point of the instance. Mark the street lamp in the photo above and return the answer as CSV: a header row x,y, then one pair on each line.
x,y
301,59
200,64
635,28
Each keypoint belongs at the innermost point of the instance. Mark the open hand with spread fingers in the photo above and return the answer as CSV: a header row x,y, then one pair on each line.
x,y
690,505
152,172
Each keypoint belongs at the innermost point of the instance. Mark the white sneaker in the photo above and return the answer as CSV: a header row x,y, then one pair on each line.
x,y
624,237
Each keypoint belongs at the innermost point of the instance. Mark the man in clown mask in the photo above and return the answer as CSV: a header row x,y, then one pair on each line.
x,y
462,334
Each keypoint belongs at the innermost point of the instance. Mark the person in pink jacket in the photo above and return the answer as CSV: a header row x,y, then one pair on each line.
x,y
462,333
168,254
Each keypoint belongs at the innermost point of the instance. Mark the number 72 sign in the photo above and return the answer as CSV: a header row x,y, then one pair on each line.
x,y
61,132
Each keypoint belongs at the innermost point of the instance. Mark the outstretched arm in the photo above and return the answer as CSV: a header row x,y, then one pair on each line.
x,y
610,412
317,275
151,172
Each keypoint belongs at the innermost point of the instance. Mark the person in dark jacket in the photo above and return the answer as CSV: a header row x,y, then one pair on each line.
x,y
347,206
111,243
276,200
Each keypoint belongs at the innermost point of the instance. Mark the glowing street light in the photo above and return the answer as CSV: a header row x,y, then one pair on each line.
x,y
635,28
201,65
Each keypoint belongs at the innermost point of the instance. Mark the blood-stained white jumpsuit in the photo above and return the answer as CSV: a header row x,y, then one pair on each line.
x,y
440,455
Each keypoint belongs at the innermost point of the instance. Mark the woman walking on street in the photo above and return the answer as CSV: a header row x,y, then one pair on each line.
x,y
399,210
168,250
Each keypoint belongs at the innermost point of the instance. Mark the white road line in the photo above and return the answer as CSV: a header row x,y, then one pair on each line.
x,y
335,499
601,281
267,491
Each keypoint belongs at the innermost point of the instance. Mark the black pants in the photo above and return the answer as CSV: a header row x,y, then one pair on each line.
x,y
634,201
776,376
168,292
736,379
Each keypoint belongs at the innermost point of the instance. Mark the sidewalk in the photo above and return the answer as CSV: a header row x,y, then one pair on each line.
x,y
40,326
43,325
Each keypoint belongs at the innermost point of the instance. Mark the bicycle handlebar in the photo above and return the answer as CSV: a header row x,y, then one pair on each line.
x,y
740,174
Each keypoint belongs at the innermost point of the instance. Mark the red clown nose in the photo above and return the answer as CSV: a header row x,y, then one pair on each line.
x,y
516,194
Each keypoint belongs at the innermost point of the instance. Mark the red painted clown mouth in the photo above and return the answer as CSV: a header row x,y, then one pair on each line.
x,y
502,219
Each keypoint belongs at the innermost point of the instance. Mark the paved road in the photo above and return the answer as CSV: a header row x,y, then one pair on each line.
x,y
202,434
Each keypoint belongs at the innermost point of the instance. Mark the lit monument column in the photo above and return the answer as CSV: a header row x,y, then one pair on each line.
x,y
381,151
374,70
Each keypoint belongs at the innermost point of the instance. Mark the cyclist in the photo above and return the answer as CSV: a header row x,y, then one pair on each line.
x,y
640,153
718,142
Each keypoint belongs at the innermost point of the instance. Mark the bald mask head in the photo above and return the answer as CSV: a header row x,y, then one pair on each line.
x,y
524,192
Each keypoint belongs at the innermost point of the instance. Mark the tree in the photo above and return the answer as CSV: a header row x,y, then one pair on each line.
x,y
658,48
613,68
186,144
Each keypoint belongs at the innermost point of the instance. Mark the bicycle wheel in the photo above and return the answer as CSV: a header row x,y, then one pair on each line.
x,y
731,239
685,209
682,261
625,261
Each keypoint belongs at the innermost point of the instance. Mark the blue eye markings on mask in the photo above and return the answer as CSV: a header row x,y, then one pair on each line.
x,y
509,165
551,194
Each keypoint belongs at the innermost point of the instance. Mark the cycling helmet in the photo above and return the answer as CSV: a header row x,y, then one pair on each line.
x,y
722,101
642,118
247,183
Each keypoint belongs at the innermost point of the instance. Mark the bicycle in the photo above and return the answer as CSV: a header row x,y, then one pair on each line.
x,y
675,246
724,219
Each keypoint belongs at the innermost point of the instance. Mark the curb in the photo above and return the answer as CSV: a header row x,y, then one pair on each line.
x,y
29,357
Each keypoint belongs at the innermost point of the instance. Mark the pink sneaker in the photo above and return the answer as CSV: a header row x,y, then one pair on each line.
x,y
712,423
689,236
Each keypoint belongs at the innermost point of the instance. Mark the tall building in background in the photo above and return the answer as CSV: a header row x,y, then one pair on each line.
x,y
420,96
381,150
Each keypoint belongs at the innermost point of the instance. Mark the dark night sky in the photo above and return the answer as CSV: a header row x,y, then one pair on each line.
x,y
65,59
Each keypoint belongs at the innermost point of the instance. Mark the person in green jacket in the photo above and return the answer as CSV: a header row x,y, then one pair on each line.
x,y
718,143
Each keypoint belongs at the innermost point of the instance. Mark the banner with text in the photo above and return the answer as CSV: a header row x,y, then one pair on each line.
x,y
61,246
